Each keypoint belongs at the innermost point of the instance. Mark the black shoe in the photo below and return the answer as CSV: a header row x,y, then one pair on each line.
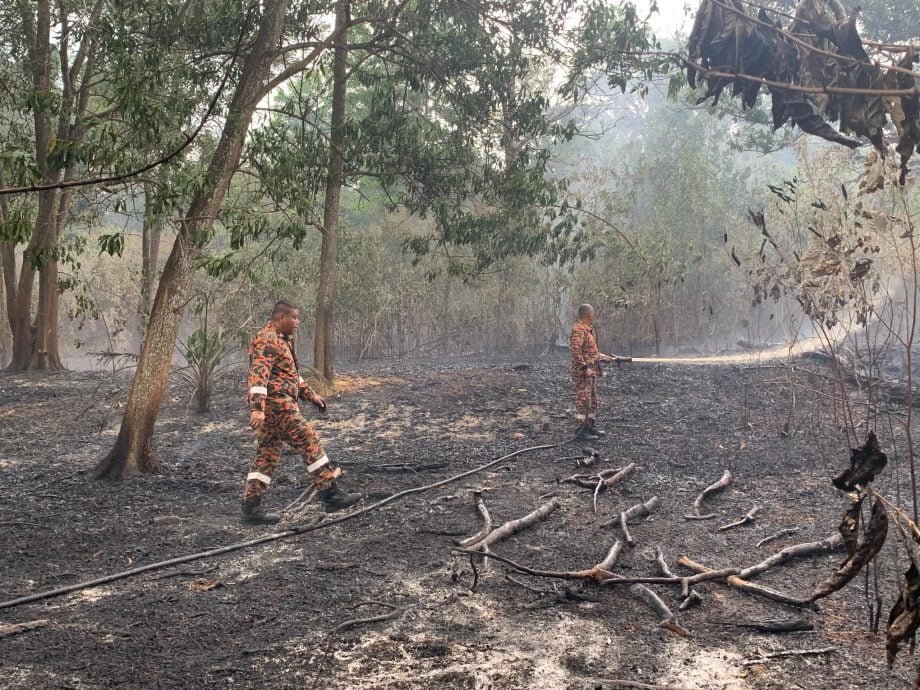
x,y
254,515
584,434
594,431
334,499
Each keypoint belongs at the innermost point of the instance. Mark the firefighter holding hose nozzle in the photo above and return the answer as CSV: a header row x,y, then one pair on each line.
x,y
586,361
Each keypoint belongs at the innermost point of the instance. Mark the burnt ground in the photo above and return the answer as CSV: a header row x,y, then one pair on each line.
x,y
259,618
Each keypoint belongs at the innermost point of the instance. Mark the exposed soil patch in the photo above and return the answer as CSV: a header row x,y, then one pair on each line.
x,y
259,618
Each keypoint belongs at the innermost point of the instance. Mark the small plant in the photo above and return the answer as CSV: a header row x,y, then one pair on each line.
x,y
208,357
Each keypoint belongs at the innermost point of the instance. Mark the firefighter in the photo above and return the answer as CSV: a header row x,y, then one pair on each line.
x,y
585,360
275,386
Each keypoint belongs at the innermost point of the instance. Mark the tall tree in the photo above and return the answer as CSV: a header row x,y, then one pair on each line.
x,y
91,88
133,451
325,293
448,115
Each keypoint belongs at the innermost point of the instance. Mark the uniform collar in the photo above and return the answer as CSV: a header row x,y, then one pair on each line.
x,y
271,326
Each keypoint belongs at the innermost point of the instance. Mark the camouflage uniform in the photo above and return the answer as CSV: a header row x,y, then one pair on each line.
x,y
275,385
585,358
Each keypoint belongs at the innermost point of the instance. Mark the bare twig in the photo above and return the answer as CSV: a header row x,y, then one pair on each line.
x,y
713,488
620,684
514,526
773,537
746,520
16,628
734,581
480,504
667,618
597,490
291,532
789,652
311,490
797,551
395,612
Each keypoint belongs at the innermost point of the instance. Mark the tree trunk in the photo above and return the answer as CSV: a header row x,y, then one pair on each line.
x,y
6,340
36,345
8,290
150,251
133,451
325,292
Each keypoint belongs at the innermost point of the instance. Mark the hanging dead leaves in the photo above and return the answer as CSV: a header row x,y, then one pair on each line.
x,y
866,462
816,70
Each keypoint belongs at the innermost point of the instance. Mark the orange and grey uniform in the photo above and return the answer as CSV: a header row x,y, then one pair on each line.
x,y
275,385
585,359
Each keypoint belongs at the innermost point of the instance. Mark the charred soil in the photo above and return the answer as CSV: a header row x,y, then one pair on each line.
x,y
272,616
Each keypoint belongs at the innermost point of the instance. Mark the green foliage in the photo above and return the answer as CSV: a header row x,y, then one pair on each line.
x,y
113,244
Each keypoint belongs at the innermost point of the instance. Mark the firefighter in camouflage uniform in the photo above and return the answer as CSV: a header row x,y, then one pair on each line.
x,y
275,386
585,369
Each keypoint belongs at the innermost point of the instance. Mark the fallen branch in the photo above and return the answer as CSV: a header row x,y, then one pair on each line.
x,y
624,525
16,628
619,475
687,596
779,535
611,558
620,684
305,496
415,469
662,564
668,620
716,487
291,532
746,520
608,477
789,652
480,504
605,577
395,612
775,627
693,600
734,581
625,516
514,526
790,552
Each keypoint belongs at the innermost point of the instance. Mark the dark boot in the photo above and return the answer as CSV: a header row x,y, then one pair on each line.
x,y
594,431
584,433
254,515
335,499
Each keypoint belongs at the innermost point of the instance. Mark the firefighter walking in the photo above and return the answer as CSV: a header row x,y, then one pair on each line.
x,y
275,387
